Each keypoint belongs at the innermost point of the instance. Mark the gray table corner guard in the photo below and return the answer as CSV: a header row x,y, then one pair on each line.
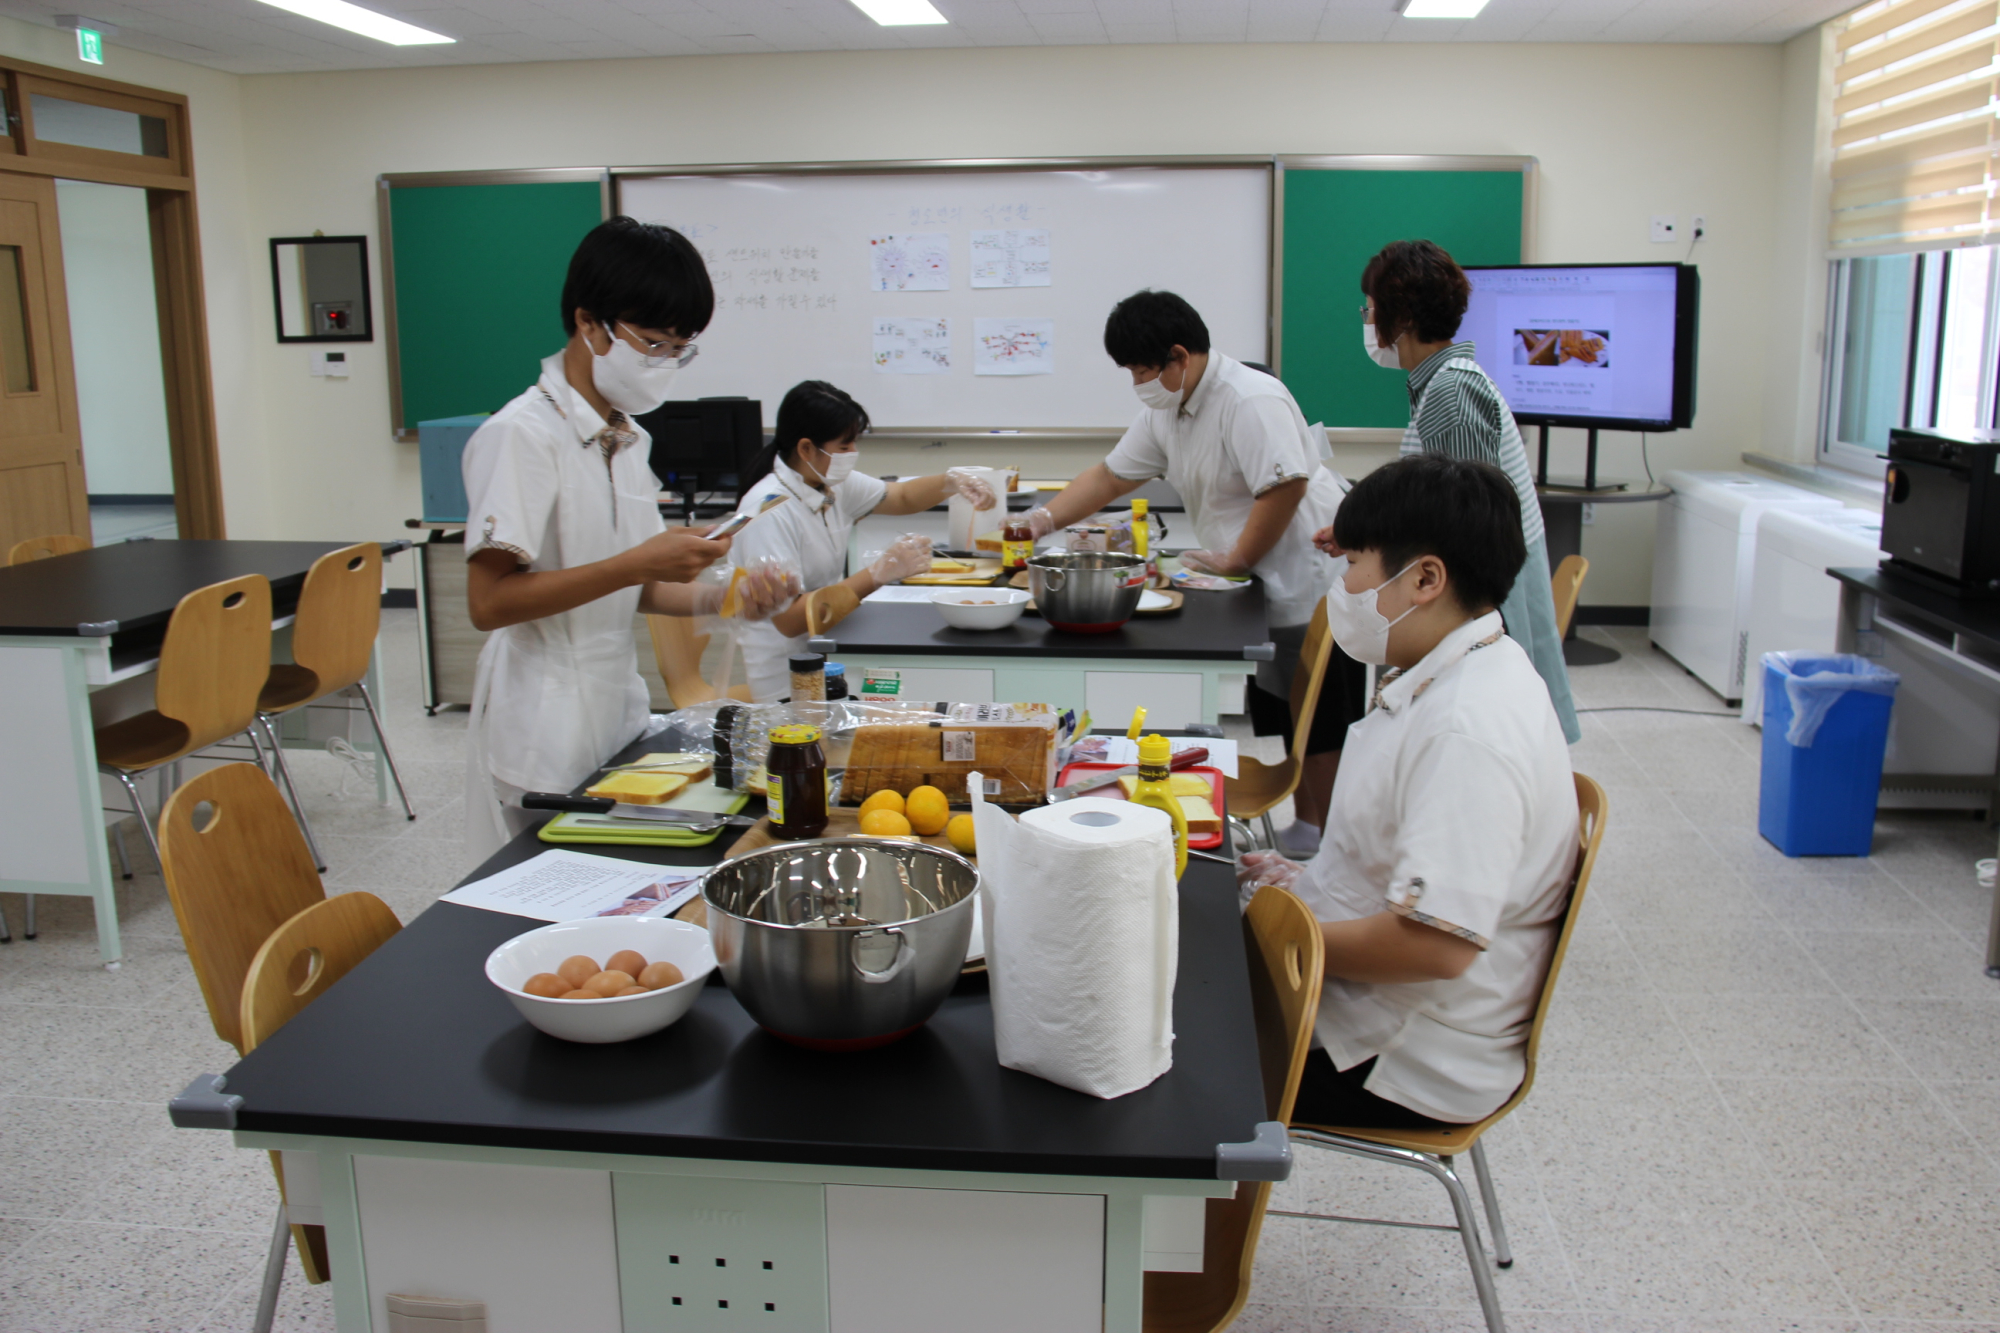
x,y
1266,1157
822,645
203,1104
1260,652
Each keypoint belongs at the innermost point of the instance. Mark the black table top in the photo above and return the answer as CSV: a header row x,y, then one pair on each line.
x,y
136,585
1210,626
1974,617
415,1045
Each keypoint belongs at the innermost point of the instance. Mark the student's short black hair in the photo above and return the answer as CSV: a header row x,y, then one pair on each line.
x,y
1145,327
1466,514
1415,285
639,272
813,410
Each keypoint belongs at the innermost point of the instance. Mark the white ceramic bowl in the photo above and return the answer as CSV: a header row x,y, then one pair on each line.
x,y
955,605
622,1018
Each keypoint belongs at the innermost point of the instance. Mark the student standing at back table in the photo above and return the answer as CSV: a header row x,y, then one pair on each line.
x,y
1234,444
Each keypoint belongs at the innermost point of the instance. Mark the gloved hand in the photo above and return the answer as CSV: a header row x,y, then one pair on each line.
x,y
1254,870
765,589
961,481
1041,522
908,554
1212,562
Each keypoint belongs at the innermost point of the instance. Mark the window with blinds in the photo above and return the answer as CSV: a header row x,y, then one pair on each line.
x,y
1915,139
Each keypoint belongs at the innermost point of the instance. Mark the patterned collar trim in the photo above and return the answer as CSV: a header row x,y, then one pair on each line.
x,y
1395,674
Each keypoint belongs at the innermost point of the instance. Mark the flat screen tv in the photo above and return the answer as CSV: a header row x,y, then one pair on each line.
x,y
1609,346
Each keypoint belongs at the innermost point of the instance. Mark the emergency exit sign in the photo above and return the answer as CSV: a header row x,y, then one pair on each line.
x,y
90,46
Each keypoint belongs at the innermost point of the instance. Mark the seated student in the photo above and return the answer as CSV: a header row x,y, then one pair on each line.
x,y
1443,877
811,458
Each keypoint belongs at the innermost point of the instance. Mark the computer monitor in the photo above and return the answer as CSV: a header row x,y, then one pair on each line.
x,y
1609,346
705,444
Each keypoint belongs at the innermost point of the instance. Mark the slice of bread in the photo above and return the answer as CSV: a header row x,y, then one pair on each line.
x,y
944,564
1201,817
640,788
1178,784
987,541
693,767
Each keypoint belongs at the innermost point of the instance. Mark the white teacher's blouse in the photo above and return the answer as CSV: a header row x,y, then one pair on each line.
x,y
1238,435
1454,806
809,531
553,698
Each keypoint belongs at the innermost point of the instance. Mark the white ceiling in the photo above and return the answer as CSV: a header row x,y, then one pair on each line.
x,y
245,37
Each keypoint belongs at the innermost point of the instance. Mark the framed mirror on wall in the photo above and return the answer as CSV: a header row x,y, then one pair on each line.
x,y
320,286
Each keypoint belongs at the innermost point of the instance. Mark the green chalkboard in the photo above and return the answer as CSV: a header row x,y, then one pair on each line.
x,y
1334,222
476,274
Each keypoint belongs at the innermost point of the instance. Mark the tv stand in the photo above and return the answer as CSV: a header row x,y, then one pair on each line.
x,y
1588,484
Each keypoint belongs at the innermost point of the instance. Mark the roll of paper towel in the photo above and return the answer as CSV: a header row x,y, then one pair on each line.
x,y
964,525
1082,940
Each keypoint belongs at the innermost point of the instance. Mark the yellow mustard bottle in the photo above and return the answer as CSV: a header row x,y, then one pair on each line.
x,y
1141,529
1155,789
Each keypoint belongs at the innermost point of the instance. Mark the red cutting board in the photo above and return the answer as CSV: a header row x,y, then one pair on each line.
x,y
1202,842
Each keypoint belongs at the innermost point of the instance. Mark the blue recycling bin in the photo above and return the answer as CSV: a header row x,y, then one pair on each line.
x,y
1826,726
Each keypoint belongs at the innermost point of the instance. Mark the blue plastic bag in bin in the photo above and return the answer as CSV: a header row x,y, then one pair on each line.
x,y
1825,732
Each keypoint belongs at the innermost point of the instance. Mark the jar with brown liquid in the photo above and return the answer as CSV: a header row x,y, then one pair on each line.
x,y
796,793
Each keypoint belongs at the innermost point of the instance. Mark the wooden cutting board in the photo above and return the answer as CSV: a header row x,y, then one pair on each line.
x,y
841,822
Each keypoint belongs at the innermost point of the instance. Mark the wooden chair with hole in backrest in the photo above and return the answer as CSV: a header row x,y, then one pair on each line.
x,y
678,650
1432,1150
1567,585
1286,966
1258,787
333,641
41,548
295,966
213,663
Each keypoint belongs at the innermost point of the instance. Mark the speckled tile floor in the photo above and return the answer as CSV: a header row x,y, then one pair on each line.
x,y
1770,1100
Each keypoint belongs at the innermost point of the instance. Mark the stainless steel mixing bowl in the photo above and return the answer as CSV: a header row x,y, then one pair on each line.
x,y
1088,592
841,943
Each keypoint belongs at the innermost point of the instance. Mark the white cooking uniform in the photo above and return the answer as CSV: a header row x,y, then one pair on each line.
x,y
1455,807
554,698
1238,435
810,532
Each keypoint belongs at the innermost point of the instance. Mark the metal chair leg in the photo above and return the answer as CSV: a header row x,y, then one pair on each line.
x,y
1270,831
139,809
28,930
1503,1254
382,740
274,1273
298,806
6,935
118,844
1241,839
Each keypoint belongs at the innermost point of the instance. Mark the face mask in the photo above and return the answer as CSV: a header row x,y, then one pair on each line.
x,y
627,382
1361,631
1157,395
1384,357
838,466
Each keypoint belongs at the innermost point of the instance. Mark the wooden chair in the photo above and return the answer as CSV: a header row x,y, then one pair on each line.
x,y
1567,585
41,548
1432,1150
214,661
333,640
678,650
1286,968
1258,787
295,966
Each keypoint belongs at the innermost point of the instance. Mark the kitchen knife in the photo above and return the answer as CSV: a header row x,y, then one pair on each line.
x,y
644,814
1109,777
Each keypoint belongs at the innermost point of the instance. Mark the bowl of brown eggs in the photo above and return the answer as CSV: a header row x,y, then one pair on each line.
x,y
604,979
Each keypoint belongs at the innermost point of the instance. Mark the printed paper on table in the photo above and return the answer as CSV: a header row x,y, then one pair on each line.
x,y
912,346
1010,258
1013,346
563,885
910,262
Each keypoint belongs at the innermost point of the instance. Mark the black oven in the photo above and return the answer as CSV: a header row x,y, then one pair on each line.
x,y
1941,511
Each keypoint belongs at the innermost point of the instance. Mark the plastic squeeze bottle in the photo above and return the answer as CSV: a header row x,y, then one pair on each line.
x,y
1140,528
1154,789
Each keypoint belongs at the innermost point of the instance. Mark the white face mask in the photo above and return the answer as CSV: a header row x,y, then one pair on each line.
x,y
627,382
1156,395
1361,631
838,466
1384,357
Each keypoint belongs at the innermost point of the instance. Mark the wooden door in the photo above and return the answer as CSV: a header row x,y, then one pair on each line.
x,y
41,447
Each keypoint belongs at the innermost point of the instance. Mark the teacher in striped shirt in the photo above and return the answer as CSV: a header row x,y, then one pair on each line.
x,y
1417,296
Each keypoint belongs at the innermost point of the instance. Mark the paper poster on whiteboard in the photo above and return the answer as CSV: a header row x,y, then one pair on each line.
x,y
912,346
1010,258
1013,346
910,262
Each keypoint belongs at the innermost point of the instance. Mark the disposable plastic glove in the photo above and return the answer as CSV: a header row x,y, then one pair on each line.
x,y
1041,522
767,588
962,481
908,554
1256,869
1222,563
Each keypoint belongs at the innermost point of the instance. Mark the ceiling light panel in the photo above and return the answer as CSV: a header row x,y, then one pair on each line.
x,y
1443,9
366,22
900,13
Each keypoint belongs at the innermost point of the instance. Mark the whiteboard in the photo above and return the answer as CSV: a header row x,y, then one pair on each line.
x,y
798,261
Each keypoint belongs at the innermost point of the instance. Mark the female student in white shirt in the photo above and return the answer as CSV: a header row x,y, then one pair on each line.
x,y
811,459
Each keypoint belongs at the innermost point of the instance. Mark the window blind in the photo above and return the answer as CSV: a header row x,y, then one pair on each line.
x,y
1916,148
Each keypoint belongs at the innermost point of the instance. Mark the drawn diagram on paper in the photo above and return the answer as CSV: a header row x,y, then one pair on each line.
x,y
912,346
1013,346
1010,258
910,262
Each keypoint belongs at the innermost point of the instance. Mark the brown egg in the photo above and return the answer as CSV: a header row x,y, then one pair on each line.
x,y
634,990
580,994
607,984
658,975
578,969
547,985
629,961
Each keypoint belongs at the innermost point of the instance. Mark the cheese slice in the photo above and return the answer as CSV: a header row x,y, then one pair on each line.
x,y
640,788
944,564
694,767
1178,784
1201,817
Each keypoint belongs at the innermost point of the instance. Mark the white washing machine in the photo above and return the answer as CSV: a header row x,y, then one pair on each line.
x,y
1947,718
1703,555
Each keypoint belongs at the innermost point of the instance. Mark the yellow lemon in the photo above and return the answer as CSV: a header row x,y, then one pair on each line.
x,y
883,800
880,823
928,810
959,830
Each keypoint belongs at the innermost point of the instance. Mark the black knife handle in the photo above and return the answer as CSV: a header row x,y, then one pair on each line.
x,y
549,800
